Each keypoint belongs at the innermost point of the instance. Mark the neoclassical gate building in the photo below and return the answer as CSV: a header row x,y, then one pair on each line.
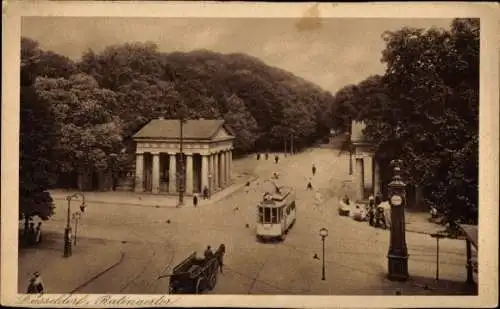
x,y
207,148
366,169
367,173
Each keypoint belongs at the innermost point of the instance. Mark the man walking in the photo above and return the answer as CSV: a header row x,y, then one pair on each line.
x,y
195,200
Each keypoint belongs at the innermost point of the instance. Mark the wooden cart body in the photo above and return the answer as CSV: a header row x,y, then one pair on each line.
x,y
194,275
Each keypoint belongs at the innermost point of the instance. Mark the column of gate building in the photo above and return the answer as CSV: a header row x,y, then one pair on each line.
x,y
215,171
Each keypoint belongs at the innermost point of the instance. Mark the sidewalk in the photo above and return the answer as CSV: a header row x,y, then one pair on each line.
x,y
65,275
417,222
149,199
244,169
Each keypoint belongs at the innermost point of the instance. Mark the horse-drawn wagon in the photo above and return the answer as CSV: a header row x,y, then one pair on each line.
x,y
195,275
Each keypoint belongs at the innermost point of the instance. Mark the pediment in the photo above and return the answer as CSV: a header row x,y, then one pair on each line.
x,y
222,134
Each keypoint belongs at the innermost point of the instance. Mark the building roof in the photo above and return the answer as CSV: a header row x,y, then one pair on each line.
x,y
198,129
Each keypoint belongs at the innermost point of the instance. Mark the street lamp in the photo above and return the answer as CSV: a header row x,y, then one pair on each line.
x,y
67,230
210,185
76,218
398,252
438,236
323,233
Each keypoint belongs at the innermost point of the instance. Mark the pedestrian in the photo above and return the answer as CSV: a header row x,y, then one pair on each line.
x,y
36,284
346,200
267,156
31,233
309,185
276,159
195,200
31,287
205,193
258,156
371,210
313,169
38,233
378,199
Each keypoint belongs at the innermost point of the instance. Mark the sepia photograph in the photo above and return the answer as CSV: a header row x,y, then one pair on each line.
x,y
294,155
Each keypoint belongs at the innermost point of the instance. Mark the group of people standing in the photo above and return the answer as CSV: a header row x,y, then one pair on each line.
x,y
376,216
33,234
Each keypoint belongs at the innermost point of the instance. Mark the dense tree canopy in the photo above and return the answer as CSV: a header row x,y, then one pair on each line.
x,y
80,116
425,110
235,87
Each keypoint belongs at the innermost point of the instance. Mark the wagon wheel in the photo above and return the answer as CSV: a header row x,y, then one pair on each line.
x,y
213,279
199,285
171,290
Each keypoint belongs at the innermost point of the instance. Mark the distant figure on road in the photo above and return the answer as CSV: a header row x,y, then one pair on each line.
x,y
309,185
38,233
195,200
314,169
36,284
267,156
205,193
258,156
208,253
276,175
276,159
346,200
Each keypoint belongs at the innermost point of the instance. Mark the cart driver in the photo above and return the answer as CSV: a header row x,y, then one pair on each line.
x,y
208,253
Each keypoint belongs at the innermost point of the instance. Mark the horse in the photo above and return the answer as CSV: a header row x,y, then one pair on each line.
x,y
220,255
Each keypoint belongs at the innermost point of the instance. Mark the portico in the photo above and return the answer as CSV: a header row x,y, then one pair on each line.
x,y
366,168
206,156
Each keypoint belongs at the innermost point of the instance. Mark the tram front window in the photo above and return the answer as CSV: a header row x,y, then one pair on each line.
x,y
267,215
274,215
261,214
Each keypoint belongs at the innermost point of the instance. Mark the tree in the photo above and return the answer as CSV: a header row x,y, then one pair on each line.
x,y
87,132
36,169
426,112
239,119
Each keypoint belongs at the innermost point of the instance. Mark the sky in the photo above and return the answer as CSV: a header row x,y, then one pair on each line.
x,y
331,53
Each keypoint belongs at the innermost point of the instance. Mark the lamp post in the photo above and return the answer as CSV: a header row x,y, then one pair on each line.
x,y
67,230
437,236
76,218
398,252
210,184
323,233
182,169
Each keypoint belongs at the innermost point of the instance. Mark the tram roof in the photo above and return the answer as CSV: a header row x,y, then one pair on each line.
x,y
277,199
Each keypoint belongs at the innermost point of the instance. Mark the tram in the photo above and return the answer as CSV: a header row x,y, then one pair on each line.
x,y
276,214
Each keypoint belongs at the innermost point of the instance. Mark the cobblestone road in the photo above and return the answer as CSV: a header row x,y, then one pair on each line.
x,y
355,253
